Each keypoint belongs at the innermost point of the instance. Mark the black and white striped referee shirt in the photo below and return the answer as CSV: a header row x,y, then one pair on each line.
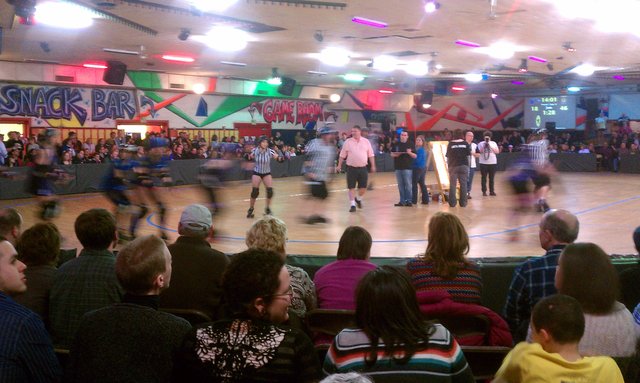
x,y
262,160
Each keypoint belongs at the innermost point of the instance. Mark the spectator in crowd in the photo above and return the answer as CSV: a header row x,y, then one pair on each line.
x,y
3,150
14,159
87,282
103,351
66,158
270,233
197,268
336,282
257,290
557,325
114,154
403,156
419,173
38,248
392,342
586,273
10,224
534,278
111,142
89,146
120,140
629,287
80,158
458,152
178,152
444,266
26,353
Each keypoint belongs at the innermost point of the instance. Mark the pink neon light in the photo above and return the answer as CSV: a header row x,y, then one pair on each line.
x,y
385,91
515,82
182,59
618,77
538,59
458,88
94,66
467,43
369,22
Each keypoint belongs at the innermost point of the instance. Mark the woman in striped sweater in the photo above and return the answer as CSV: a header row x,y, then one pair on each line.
x,y
392,342
444,266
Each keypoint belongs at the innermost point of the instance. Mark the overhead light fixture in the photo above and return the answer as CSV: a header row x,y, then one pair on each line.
x,y
143,53
120,51
225,39
584,70
538,59
181,59
184,34
316,72
431,6
466,43
198,88
458,88
335,97
385,91
568,47
500,50
25,10
64,15
212,5
354,77
334,57
524,67
618,77
417,68
426,105
94,66
473,77
573,89
550,66
369,22
318,36
494,95
275,78
233,63
385,63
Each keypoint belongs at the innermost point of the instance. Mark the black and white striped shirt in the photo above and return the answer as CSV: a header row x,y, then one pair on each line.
x,y
262,160
321,156
539,153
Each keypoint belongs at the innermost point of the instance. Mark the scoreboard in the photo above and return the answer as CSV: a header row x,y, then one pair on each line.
x,y
558,109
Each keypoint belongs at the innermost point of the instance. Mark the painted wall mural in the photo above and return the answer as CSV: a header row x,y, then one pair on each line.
x,y
64,106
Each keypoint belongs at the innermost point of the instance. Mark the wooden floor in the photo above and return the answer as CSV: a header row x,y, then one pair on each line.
x,y
608,207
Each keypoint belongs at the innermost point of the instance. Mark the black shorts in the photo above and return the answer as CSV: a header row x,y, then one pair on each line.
x,y
261,175
319,189
358,176
540,180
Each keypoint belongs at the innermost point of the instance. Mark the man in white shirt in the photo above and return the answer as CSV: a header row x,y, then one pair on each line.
x,y
488,163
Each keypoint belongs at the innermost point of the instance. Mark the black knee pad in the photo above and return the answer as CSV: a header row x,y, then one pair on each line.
x,y
269,193
255,192
143,211
162,210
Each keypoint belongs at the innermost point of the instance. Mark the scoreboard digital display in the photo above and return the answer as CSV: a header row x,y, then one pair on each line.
x,y
560,110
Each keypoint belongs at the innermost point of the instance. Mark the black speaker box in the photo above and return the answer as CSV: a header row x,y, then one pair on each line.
x,y
115,72
550,126
593,109
426,97
286,88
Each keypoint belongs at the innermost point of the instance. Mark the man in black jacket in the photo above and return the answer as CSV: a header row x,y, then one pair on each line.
x,y
197,268
458,152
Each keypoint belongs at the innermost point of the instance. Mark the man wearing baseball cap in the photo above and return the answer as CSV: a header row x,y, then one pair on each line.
x,y
197,268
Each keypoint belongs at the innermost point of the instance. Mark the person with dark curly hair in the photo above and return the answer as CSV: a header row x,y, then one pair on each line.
x,y
252,344
392,342
38,248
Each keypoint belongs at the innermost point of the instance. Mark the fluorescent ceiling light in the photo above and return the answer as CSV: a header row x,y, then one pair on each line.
x,y
212,5
473,77
334,57
417,68
538,59
384,63
369,22
182,59
466,43
224,39
274,81
64,15
385,91
354,77
573,89
584,70
232,63
120,51
316,72
94,66
499,50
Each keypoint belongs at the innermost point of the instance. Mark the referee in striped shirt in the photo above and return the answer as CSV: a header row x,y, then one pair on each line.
x,y
541,179
262,156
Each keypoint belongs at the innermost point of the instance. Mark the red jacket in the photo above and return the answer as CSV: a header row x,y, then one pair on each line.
x,y
439,303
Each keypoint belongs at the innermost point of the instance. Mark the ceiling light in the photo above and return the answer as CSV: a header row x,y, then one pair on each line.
x,y
573,89
426,105
94,66
212,5
584,70
618,77
182,59
120,51
517,82
354,77
458,88
334,57
466,43
417,68
369,22
232,63
431,6
538,59
473,77
184,34
385,91
494,95
64,15
335,97
318,36
275,78
316,72
198,88
567,47
524,67
225,39
385,63
500,50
